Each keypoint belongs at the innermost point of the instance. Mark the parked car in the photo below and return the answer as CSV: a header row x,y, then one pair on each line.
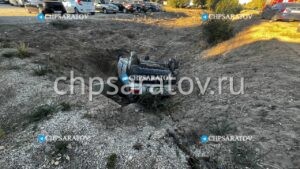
x,y
47,7
17,2
282,11
151,7
79,6
101,6
142,76
134,7
120,6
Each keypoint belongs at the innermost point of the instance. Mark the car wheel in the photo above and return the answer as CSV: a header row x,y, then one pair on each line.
x,y
139,10
76,11
124,10
92,13
104,11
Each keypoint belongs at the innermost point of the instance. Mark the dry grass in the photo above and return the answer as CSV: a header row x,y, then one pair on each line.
x,y
23,50
182,18
9,11
192,18
282,31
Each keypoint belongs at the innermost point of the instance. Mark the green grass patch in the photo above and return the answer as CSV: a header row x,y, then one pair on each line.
x,y
61,25
111,161
42,112
65,106
2,133
41,70
222,127
245,156
23,51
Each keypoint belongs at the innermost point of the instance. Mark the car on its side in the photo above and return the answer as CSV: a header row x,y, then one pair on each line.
x,y
79,6
101,6
45,7
282,11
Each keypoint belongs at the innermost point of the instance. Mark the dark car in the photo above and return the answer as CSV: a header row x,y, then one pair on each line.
x,y
142,76
120,6
134,7
51,7
282,11
48,7
153,7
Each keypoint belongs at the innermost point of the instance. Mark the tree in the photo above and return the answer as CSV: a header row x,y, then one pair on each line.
x,y
228,7
211,4
255,4
200,3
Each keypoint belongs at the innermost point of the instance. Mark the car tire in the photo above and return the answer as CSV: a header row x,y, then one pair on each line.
x,y
76,11
92,13
104,11
139,10
124,10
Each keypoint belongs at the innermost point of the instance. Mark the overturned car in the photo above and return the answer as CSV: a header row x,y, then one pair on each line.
x,y
141,76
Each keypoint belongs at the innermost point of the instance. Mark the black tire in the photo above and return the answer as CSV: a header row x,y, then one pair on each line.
x,y
76,11
92,13
124,10
136,70
139,10
104,10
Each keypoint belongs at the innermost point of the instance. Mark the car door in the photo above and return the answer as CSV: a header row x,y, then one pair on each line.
x,y
87,6
295,11
68,6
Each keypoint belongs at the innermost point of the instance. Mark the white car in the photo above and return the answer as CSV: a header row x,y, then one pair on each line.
x,y
106,7
16,2
79,6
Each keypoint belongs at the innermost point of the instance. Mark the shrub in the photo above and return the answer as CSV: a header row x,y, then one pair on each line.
x,y
228,7
9,52
42,112
222,127
41,70
60,147
178,3
255,4
2,133
244,155
111,161
199,3
211,4
22,50
65,106
218,30
60,24
156,103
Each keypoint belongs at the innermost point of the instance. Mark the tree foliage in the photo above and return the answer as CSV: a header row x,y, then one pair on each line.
x,y
228,7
